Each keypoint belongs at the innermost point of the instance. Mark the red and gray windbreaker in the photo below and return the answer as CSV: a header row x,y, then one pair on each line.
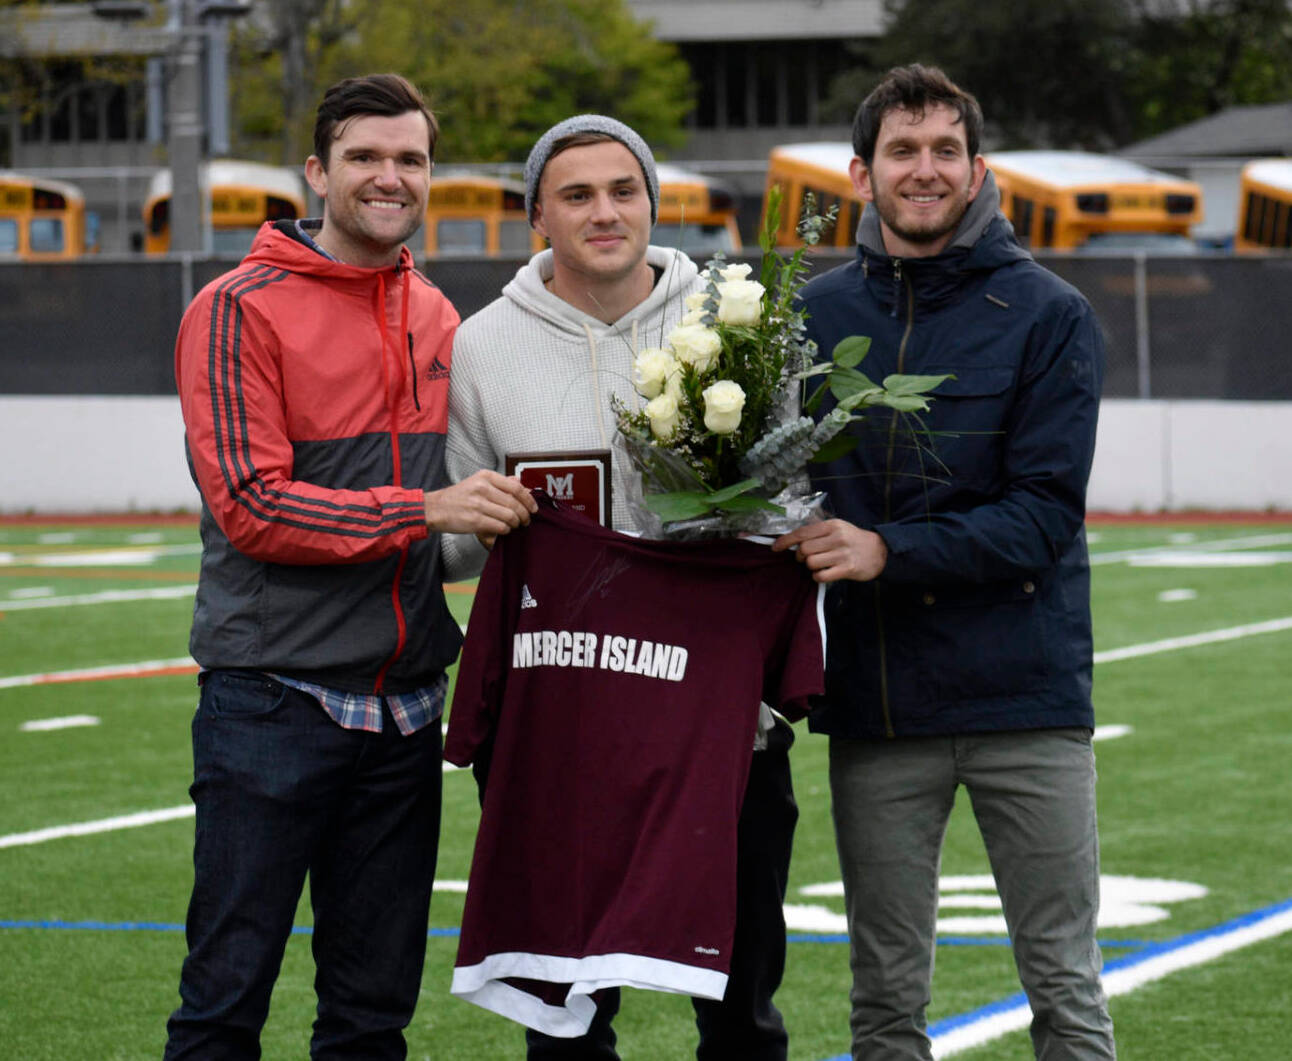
x,y
315,400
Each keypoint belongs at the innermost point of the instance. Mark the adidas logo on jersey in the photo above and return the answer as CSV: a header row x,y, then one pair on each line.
x,y
437,370
527,599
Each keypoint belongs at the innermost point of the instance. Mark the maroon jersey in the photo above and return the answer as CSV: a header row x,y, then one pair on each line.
x,y
620,681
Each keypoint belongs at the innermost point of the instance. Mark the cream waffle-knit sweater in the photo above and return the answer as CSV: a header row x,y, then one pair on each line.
x,y
531,374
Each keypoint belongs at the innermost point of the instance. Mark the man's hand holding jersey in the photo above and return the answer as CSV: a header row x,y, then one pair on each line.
x,y
485,504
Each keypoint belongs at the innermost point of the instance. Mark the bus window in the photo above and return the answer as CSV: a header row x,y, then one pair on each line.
x,y
460,236
8,236
1022,219
46,235
241,196
1049,218
1265,206
514,236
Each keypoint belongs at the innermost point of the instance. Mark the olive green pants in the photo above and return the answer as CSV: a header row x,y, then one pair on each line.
x,y
1033,797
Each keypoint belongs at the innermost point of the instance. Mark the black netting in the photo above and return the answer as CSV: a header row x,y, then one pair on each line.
x,y
1214,327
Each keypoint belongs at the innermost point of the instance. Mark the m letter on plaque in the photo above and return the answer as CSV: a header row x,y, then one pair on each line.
x,y
578,479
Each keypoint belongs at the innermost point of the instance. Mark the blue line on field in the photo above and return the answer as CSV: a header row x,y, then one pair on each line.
x,y
1145,953
153,926
956,941
305,930
1152,950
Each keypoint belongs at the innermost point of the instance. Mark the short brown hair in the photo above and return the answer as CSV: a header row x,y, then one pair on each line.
x,y
913,88
387,95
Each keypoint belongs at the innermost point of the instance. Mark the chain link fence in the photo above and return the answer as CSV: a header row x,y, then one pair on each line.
x,y
1197,327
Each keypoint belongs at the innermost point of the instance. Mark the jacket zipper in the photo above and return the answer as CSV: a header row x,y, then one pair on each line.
x,y
412,370
909,290
401,627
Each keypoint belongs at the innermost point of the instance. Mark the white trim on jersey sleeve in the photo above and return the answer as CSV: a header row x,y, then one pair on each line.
x,y
483,985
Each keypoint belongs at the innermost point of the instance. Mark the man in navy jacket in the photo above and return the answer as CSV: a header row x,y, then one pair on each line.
x,y
959,612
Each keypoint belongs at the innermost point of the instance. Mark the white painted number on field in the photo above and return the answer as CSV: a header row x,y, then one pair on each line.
x,y
1124,902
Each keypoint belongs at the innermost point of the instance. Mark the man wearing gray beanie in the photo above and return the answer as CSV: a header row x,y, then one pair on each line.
x,y
535,371
578,126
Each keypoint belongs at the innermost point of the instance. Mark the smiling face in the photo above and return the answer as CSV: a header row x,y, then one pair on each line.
x,y
921,179
593,207
374,187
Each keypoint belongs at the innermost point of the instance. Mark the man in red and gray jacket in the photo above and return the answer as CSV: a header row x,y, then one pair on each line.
x,y
314,386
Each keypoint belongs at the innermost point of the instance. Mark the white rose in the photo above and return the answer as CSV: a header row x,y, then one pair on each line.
x,y
740,301
736,272
651,370
692,316
662,411
695,345
722,404
697,300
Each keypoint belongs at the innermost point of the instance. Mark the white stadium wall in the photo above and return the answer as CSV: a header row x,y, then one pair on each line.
x,y
119,455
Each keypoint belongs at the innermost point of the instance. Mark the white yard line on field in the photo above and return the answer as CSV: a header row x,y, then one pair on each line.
x,y
103,825
1218,545
180,664
1171,644
111,596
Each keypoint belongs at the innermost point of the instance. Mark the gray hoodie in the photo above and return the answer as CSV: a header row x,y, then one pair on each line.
x,y
531,373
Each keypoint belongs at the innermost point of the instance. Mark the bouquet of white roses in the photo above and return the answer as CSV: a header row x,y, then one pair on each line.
x,y
721,441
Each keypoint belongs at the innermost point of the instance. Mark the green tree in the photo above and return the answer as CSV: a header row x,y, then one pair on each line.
x,y
1088,73
496,72
1045,71
1197,59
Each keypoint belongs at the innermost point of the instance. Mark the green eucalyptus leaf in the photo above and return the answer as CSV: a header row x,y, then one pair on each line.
x,y
906,403
813,401
913,384
849,352
845,382
837,447
865,396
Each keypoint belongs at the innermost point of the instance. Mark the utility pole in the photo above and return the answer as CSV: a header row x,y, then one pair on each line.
x,y
192,26
185,128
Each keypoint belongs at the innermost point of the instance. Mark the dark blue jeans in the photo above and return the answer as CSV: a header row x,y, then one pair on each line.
x,y
283,792
745,1025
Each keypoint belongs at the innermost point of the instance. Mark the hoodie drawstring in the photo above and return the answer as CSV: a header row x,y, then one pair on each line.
x,y
596,379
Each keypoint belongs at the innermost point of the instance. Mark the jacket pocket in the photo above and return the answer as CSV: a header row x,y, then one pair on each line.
x,y
980,641
967,419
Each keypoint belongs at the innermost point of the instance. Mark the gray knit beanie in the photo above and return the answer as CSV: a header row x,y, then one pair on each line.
x,y
589,123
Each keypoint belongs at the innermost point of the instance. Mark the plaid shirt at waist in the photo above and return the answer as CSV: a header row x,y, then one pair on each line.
x,y
411,711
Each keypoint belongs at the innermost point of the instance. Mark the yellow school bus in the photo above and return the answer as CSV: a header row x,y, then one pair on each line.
x,y
468,213
697,214
40,219
822,169
242,196
1265,206
1074,199
1055,199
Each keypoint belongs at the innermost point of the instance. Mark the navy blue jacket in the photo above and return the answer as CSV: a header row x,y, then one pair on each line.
x,y
981,619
